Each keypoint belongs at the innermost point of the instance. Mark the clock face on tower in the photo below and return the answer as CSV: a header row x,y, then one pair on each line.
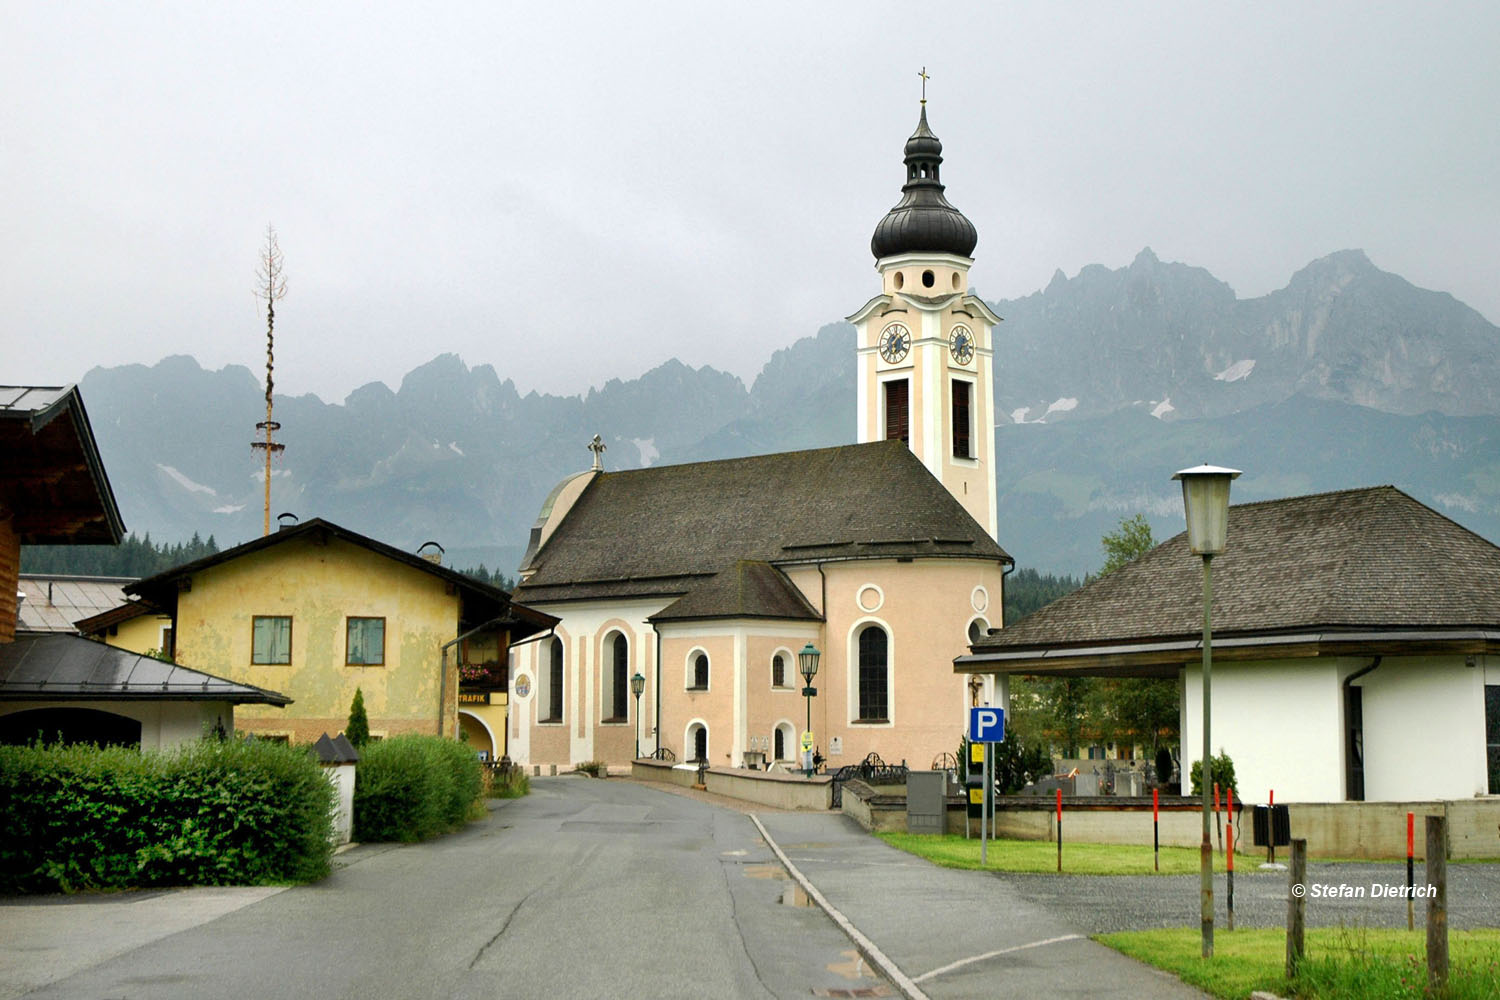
x,y
895,341
961,345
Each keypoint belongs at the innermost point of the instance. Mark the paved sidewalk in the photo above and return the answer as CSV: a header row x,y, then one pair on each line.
x,y
954,933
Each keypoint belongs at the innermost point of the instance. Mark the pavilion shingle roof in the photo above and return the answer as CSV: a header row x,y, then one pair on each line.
x,y
748,589
1357,559
661,530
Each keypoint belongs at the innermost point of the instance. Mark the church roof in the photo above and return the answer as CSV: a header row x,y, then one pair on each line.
x,y
1365,562
748,589
661,531
923,221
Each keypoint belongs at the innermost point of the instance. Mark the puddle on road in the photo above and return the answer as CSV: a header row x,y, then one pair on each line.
x,y
765,871
794,896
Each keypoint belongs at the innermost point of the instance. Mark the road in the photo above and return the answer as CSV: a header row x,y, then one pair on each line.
x,y
582,889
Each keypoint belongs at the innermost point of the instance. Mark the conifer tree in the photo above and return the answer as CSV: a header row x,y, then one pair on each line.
x,y
357,732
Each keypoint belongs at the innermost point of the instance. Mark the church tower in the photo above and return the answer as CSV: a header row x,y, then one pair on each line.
x,y
924,347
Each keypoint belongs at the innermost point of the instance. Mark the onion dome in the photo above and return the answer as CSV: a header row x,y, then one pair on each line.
x,y
922,220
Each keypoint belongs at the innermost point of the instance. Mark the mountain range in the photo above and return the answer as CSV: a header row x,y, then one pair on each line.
x,y
1105,384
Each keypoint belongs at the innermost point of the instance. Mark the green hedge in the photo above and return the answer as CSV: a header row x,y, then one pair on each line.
x,y
207,813
413,787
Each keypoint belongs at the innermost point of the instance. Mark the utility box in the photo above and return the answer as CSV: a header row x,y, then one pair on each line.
x,y
926,802
1272,826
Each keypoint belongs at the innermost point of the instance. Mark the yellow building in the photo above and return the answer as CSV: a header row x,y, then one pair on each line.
x,y
315,611
705,581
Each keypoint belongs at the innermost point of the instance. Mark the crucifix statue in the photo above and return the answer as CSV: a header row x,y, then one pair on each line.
x,y
925,78
597,446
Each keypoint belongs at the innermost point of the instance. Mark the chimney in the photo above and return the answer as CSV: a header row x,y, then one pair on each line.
x,y
286,519
435,556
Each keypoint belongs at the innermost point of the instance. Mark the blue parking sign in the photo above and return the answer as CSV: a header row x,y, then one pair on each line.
x,y
987,725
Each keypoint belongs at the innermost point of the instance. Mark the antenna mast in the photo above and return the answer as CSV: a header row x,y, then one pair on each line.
x,y
271,286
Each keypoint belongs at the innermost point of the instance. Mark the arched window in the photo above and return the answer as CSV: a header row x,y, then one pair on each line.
x,y
784,741
616,680
697,738
778,672
874,691
552,707
700,672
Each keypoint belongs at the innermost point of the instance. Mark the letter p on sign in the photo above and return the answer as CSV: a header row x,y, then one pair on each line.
x,y
987,725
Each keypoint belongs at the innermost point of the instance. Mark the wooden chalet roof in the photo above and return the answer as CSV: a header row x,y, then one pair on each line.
x,y
748,589
53,481
1367,562
72,668
481,600
659,531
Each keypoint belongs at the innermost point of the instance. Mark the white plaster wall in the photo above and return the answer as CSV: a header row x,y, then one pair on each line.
x,y
1424,729
1280,721
585,622
342,777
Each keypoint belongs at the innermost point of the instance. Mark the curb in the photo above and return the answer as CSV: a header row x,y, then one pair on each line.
x,y
868,948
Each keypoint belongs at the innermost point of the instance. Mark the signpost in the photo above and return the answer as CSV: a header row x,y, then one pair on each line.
x,y
986,726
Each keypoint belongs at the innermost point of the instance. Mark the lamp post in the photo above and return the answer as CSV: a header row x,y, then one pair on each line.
x,y
637,685
1205,499
807,666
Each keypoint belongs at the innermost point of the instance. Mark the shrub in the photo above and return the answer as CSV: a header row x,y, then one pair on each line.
x,y
511,783
206,813
594,769
413,787
1223,774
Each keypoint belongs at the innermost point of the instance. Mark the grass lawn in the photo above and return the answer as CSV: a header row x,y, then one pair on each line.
x,y
1341,962
953,851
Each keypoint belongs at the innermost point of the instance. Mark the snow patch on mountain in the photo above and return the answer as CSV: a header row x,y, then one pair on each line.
x,y
185,482
647,448
453,447
1060,406
1235,372
1160,410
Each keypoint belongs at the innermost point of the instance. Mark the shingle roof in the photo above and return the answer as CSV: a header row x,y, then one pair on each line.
x,y
72,668
748,589
655,531
1358,559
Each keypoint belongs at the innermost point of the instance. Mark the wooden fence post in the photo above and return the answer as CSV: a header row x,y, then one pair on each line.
x,y
1296,906
1437,903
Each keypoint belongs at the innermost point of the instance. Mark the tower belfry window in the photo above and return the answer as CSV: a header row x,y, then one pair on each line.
x,y
963,438
898,410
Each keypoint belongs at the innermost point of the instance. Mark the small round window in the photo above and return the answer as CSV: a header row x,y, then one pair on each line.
x,y
955,281
928,279
900,280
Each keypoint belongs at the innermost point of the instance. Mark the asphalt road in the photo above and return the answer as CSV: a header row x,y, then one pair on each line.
x,y
582,889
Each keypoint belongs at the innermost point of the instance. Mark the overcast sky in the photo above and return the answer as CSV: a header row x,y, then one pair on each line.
x,y
574,192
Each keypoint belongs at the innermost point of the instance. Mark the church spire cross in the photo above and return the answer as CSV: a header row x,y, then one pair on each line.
x,y
597,446
923,74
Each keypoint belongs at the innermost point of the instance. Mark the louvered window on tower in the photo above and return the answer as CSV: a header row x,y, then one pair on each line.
x,y
963,437
897,410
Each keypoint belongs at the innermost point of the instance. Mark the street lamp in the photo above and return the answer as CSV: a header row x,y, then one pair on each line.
x,y
1205,498
807,666
637,685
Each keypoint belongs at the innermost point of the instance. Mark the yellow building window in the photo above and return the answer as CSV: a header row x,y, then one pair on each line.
x,y
271,639
365,642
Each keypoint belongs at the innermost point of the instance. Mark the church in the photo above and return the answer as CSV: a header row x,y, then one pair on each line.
x,y
688,595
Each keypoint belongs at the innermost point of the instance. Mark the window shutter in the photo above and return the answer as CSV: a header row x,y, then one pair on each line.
x,y
897,410
961,424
